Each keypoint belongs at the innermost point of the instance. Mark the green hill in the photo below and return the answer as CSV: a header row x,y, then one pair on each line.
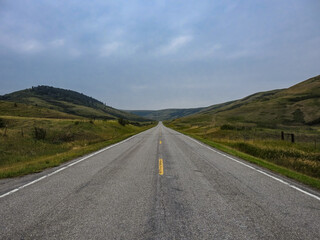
x,y
27,110
44,126
67,102
278,130
165,114
294,106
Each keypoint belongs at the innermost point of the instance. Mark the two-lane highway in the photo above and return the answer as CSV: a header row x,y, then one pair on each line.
x,y
159,184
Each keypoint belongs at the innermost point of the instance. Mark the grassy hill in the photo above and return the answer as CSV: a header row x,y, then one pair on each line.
x,y
66,101
8,108
294,106
44,126
165,114
251,128
297,105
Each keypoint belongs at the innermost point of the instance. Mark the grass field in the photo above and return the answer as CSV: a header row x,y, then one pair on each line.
x,y
30,144
263,146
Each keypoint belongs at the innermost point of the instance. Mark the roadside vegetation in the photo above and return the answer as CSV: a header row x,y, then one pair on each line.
x,y
43,126
278,129
29,144
263,146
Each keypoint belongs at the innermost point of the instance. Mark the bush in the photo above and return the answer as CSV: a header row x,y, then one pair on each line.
x,y
232,127
136,124
227,127
66,137
122,121
39,133
2,123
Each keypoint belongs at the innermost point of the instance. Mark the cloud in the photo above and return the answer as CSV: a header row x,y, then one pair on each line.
x,y
118,48
57,43
174,45
110,48
139,88
240,54
74,52
29,46
157,43
21,45
213,51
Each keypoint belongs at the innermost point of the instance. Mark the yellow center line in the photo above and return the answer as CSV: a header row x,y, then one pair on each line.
x,y
160,142
160,166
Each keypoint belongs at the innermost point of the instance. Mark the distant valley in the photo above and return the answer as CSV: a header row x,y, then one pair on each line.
x,y
297,105
165,114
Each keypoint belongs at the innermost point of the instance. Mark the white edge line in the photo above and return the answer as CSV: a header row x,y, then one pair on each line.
x,y
69,165
253,168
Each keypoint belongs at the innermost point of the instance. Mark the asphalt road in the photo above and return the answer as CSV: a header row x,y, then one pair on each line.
x,y
119,194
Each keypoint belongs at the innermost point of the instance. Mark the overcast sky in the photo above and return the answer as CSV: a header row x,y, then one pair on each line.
x,y
159,54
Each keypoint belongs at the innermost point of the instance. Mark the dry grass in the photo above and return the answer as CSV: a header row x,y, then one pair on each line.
x,y
21,152
299,160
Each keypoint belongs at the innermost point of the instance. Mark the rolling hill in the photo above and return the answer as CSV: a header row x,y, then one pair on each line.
x,y
62,102
294,106
277,129
165,114
44,126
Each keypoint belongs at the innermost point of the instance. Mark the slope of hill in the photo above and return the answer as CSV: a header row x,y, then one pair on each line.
x,y
27,110
165,114
278,129
297,105
67,101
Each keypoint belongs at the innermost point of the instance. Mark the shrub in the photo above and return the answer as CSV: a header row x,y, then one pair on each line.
x,y
2,123
136,124
227,127
66,137
122,121
298,116
39,133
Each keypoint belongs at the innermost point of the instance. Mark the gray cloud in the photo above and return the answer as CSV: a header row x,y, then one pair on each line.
x,y
157,54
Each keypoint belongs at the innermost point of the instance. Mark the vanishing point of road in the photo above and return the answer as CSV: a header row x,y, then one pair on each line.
x,y
159,184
